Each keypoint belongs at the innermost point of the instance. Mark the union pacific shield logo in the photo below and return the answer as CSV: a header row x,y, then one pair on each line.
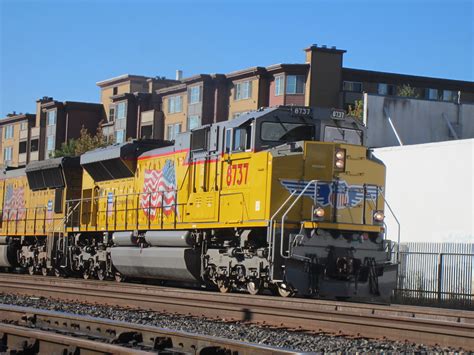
x,y
337,194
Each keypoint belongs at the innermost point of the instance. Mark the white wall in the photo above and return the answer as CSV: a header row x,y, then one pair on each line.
x,y
430,188
416,121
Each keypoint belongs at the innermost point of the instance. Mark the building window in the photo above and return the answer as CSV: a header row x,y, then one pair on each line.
x,y
7,154
431,94
22,148
194,121
243,90
385,89
173,130
146,132
353,86
111,113
121,110
51,143
119,136
34,145
51,117
175,104
194,95
295,84
279,80
24,126
449,95
115,91
9,132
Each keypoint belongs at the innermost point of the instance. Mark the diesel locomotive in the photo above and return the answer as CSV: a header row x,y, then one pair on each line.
x,y
286,199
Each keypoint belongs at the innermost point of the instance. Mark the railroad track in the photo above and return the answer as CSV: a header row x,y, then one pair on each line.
x,y
30,330
432,326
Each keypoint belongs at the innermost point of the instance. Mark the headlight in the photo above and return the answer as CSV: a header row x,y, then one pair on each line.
x,y
340,158
340,154
318,212
378,216
339,164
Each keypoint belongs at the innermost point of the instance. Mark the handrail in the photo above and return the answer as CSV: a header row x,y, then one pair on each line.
x,y
288,210
66,217
270,226
396,220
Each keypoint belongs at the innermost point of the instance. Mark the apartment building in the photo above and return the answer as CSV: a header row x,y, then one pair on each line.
x,y
125,99
62,121
143,107
196,101
16,146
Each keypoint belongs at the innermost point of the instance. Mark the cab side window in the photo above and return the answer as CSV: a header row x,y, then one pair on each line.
x,y
242,139
228,140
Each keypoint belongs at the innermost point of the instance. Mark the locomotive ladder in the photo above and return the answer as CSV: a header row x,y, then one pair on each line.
x,y
56,231
272,228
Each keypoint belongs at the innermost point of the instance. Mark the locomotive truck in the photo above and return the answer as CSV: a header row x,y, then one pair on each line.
x,y
286,199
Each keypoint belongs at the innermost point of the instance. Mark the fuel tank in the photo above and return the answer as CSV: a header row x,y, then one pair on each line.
x,y
172,263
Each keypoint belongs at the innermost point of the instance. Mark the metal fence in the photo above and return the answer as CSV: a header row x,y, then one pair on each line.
x,y
436,274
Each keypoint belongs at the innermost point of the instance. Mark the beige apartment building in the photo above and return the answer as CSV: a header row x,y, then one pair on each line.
x,y
16,146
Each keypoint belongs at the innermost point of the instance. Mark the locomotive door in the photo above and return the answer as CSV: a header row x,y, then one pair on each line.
x,y
202,205
235,175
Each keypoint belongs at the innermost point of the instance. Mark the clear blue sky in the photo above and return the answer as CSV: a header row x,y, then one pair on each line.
x,y
62,48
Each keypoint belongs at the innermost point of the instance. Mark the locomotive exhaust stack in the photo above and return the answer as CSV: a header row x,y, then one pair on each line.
x,y
286,199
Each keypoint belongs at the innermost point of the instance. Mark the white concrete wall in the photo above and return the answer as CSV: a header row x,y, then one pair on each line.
x,y
430,187
416,121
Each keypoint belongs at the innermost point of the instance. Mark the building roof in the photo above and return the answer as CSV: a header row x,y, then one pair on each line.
x,y
17,118
400,79
121,78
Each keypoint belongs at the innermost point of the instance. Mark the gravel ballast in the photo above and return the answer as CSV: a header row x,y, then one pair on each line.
x,y
297,340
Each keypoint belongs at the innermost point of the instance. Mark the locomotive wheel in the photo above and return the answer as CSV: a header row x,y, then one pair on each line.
x,y
119,277
101,274
57,272
44,271
223,285
254,286
285,290
88,271
31,270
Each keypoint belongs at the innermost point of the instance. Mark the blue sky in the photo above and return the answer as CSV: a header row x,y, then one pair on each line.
x,y
62,48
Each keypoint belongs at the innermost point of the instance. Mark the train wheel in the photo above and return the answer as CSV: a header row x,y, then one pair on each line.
x,y
223,285
254,286
57,272
31,270
44,271
101,274
119,277
285,290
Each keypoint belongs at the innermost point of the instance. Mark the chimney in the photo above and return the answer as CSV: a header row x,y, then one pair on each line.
x,y
179,74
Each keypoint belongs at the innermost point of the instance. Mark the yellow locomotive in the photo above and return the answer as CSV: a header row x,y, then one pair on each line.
x,y
283,198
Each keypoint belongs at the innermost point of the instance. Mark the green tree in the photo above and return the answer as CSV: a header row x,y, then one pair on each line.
x,y
407,91
84,143
357,110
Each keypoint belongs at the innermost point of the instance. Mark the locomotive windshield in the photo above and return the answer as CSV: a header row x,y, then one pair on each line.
x,y
286,132
343,135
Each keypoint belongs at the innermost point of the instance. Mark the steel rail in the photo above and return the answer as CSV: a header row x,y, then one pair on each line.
x,y
111,337
433,326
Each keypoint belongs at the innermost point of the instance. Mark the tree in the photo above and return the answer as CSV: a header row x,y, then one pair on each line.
x,y
357,110
407,91
84,143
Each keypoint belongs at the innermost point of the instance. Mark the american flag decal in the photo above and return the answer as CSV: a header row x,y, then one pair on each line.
x,y
159,191
14,205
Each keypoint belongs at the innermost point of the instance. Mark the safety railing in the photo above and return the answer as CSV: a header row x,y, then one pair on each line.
x,y
137,211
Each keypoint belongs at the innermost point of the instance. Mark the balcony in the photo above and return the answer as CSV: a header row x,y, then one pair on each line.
x,y
34,156
22,159
35,132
